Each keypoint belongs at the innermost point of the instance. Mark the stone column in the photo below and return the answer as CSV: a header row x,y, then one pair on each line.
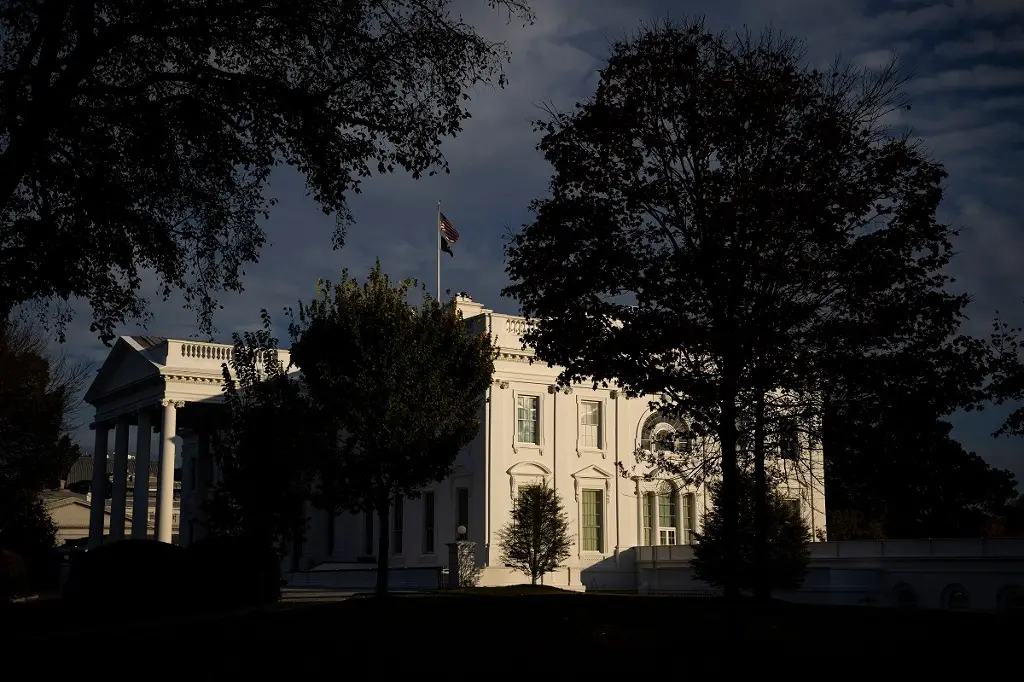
x,y
97,504
140,496
118,498
165,488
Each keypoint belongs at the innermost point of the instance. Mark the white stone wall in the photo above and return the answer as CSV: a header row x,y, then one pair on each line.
x,y
495,464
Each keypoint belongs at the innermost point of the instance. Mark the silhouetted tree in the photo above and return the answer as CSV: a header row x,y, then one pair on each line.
x,y
536,540
787,536
402,388
139,136
721,218
39,393
266,449
1007,366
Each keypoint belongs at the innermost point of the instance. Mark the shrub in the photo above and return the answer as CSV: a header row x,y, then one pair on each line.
x,y
15,580
147,575
232,571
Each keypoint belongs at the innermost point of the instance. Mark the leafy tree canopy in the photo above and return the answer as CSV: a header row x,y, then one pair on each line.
x,y
724,221
401,386
536,540
139,136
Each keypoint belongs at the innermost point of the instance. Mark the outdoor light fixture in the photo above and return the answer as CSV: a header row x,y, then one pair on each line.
x,y
461,530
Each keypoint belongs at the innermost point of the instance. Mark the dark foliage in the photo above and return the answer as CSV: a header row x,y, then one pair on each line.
x,y
15,579
787,537
1007,346
267,450
140,136
233,572
536,540
724,221
130,575
401,389
901,479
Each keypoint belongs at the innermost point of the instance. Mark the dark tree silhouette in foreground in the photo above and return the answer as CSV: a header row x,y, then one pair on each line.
x,y
39,393
402,388
723,222
1007,363
266,449
786,532
536,540
139,136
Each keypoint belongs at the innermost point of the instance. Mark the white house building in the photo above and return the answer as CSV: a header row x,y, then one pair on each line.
x,y
577,440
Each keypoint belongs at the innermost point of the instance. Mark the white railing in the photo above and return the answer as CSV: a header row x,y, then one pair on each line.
x,y
517,326
207,351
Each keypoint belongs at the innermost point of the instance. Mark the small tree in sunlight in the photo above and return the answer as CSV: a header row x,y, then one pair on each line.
x,y
401,387
787,535
536,540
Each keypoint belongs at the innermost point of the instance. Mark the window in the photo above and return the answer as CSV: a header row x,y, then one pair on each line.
x,y
398,520
593,521
590,424
789,440
462,509
368,533
528,419
955,598
428,523
667,517
648,503
793,505
688,501
666,435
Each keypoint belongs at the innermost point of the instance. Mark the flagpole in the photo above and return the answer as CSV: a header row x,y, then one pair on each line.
x,y
437,229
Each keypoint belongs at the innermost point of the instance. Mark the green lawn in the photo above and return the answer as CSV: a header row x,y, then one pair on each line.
x,y
503,625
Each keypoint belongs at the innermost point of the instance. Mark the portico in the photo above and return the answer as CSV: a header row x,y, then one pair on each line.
x,y
155,385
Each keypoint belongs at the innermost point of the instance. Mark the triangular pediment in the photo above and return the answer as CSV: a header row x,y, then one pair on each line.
x,y
125,364
592,471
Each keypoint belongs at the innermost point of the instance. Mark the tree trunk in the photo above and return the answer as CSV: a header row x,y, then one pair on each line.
x,y
762,586
730,496
383,547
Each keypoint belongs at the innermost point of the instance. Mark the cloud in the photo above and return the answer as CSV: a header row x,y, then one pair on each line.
x,y
967,94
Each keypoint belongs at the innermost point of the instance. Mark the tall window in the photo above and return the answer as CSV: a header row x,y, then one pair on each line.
x,y
648,503
528,419
462,509
593,521
688,501
667,517
794,506
368,533
590,424
428,522
397,525
789,439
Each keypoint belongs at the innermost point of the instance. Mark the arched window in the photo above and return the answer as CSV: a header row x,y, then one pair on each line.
x,y
955,598
666,434
904,596
1011,600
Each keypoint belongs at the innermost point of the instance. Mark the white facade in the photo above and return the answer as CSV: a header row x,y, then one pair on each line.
x,y
577,440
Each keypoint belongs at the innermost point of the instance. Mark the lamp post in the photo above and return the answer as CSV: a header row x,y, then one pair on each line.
x,y
461,531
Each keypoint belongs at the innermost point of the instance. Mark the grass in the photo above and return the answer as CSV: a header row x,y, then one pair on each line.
x,y
506,624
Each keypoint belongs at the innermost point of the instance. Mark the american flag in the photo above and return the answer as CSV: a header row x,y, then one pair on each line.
x,y
449,233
